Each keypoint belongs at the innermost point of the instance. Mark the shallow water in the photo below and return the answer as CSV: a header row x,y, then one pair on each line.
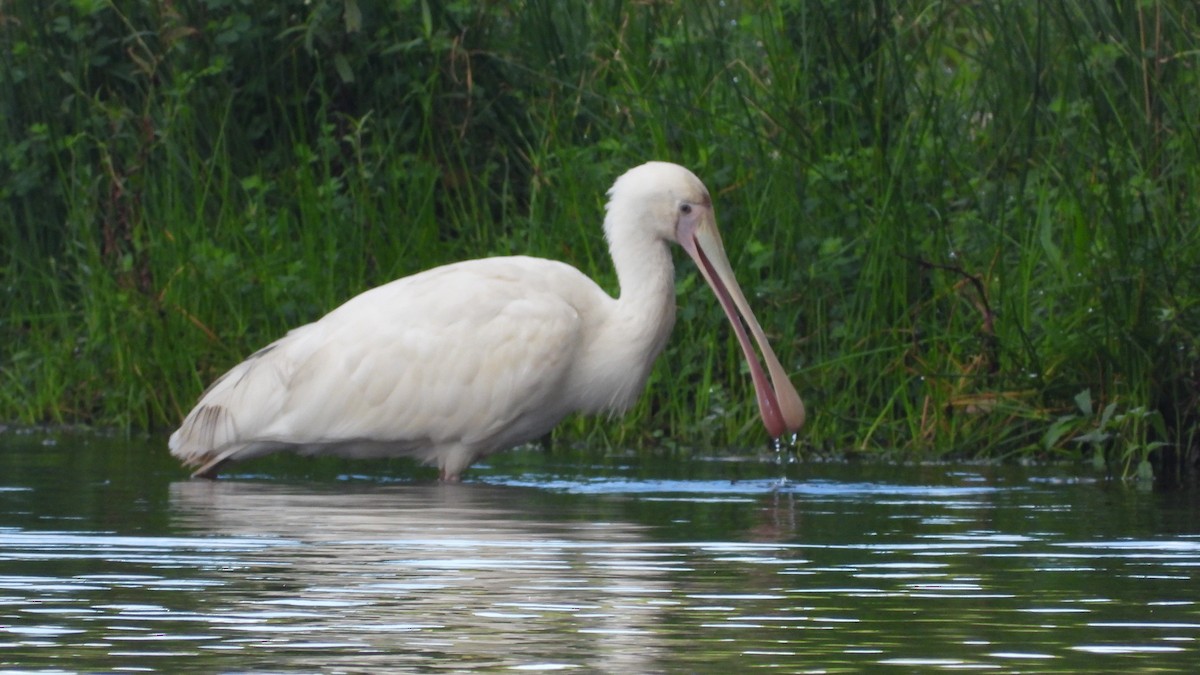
x,y
110,559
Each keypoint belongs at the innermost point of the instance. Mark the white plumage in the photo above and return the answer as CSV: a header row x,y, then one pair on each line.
x,y
464,360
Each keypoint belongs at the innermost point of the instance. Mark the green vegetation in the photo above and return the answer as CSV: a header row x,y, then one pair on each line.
x,y
971,227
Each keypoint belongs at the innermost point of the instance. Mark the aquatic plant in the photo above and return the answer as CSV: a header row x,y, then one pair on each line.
x,y
953,217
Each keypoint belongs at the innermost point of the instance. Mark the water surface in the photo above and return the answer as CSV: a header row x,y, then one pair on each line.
x,y
110,559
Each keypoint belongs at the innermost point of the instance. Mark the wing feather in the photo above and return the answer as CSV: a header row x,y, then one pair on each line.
x,y
474,354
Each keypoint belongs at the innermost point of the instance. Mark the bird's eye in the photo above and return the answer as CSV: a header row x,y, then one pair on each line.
x,y
685,208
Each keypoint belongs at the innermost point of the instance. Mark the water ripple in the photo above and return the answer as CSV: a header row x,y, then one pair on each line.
x,y
602,575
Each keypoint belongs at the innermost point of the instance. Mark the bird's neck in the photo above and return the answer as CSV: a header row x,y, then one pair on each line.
x,y
633,331
646,300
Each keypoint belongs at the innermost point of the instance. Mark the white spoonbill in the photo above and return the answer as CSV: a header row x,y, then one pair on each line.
x,y
461,361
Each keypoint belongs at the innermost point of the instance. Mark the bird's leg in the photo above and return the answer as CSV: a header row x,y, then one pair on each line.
x,y
452,460
209,471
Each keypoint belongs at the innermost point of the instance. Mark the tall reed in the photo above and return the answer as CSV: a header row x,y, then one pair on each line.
x,y
969,228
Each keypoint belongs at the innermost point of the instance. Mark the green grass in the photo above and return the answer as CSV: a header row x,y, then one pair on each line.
x,y
970,228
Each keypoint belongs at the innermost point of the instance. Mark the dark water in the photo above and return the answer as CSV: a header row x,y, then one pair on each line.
x,y
111,560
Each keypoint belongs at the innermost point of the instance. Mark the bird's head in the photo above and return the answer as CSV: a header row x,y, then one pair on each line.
x,y
666,202
662,200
